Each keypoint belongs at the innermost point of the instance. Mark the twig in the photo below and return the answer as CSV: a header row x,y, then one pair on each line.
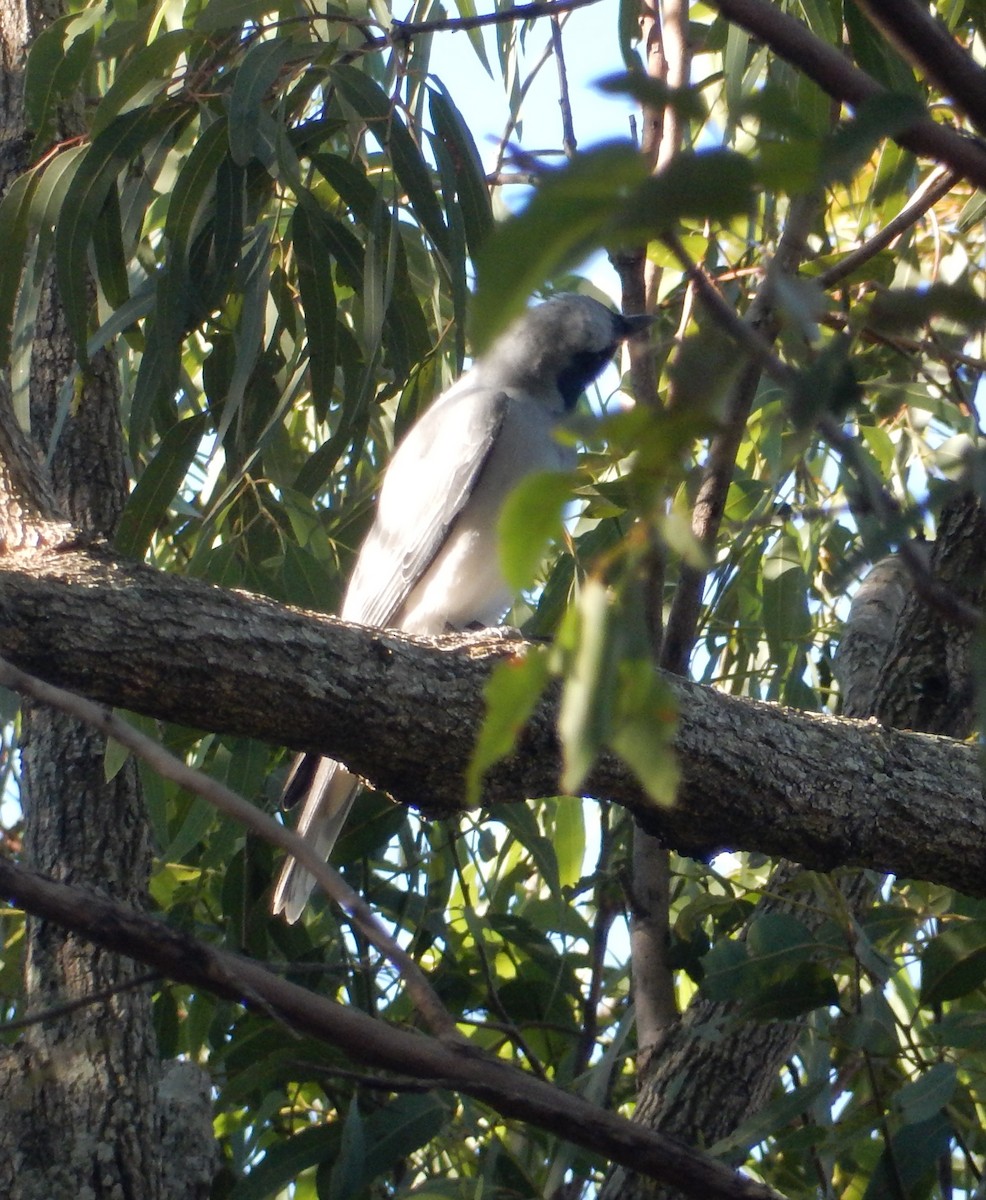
x,y
568,141
939,183
607,908
60,1010
521,12
720,463
227,801
530,176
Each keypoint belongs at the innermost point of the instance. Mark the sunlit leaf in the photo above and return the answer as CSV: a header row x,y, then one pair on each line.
x,y
513,690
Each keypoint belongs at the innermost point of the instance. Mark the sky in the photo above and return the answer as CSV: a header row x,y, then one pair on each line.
x,y
591,52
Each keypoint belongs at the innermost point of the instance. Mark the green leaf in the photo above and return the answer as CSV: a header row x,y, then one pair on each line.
x,y
586,709
15,211
786,618
373,104
160,364
569,839
319,301
248,335
141,77
911,1160
470,178
158,485
511,693
393,1133
644,728
255,77
283,1162
114,757
647,90
58,58
84,201
905,309
348,1169
953,964
529,520
217,15
195,187
520,820
708,184
727,971
851,145
774,975
922,1098
199,818
111,265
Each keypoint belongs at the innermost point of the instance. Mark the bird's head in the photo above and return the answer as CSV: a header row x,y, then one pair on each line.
x,y
560,346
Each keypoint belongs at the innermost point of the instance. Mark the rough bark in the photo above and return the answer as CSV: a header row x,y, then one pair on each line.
x,y
80,1113
754,776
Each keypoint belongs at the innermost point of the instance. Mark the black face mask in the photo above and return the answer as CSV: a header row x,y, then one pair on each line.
x,y
580,372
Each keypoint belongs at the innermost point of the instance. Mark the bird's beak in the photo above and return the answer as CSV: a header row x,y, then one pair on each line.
x,y
637,323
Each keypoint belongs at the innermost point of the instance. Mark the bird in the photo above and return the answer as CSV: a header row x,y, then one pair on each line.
x,y
430,561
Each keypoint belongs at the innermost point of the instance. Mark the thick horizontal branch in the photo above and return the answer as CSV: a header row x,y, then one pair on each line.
x,y
503,1087
819,790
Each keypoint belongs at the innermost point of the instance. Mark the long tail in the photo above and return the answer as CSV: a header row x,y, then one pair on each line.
x,y
327,803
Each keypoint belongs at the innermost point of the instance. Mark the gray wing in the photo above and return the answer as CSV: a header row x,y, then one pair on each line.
x,y
429,479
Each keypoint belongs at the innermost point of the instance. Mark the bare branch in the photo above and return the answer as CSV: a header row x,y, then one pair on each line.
x,y
504,16
939,183
39,1016
569,144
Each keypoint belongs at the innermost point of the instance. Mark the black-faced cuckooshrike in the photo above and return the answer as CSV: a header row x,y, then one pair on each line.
x,y
430,561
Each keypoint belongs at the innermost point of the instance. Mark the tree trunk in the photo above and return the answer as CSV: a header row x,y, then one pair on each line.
x,y
80,1112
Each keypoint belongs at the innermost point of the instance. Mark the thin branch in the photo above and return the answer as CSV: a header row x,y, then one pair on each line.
x,y
938,184
530,177
607,907
664,32
836,75
505,16
463,1066
227,801
568,141
40,1015
717,475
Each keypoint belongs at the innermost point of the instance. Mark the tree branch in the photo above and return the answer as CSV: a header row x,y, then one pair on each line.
x,y
926,42
836,75
816,789
366,1040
